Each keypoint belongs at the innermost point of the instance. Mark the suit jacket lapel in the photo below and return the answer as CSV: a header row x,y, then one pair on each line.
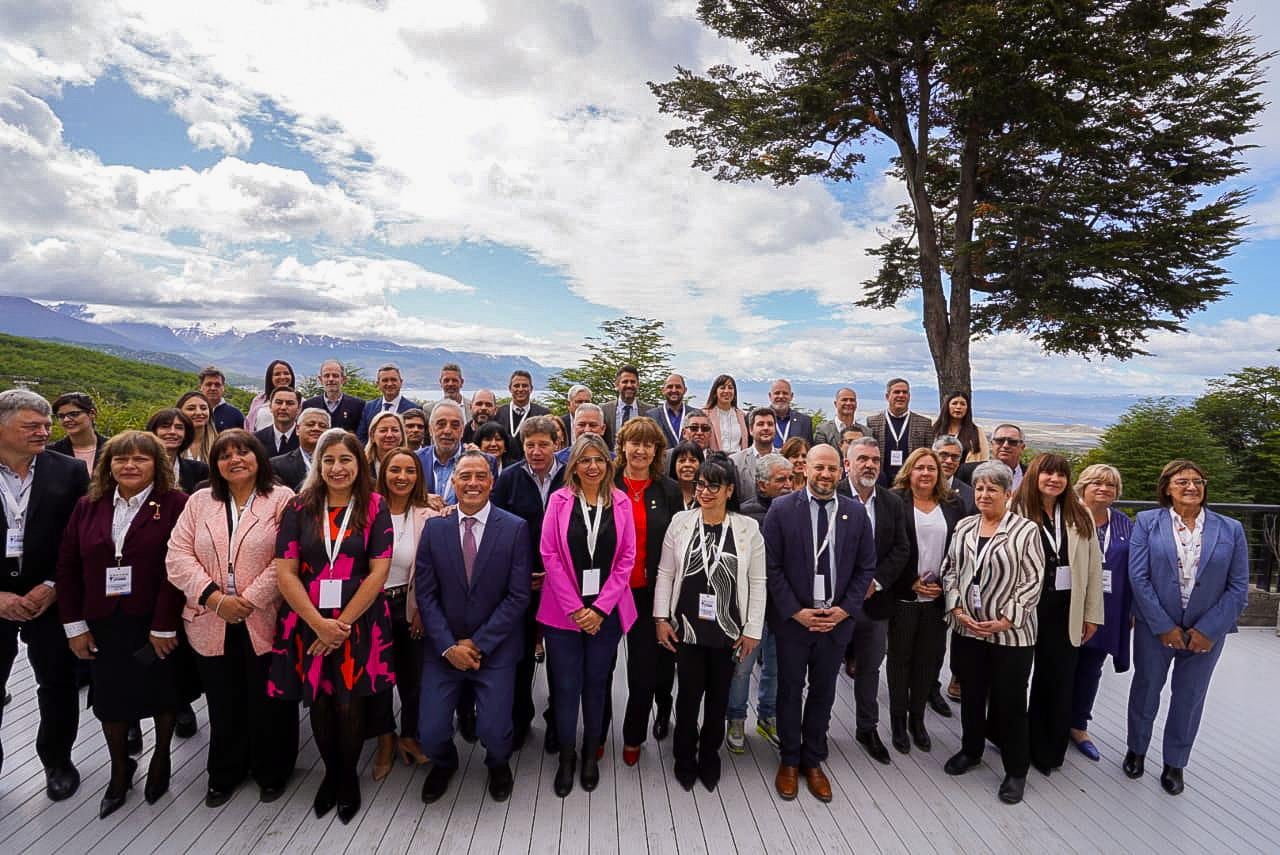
x,y
806,530
39,486
1208,539
492,530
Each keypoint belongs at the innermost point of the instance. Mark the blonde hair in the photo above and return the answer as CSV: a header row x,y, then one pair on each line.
x,y
583,444
1100,473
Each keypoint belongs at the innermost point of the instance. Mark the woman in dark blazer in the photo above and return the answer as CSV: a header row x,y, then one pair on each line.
x,y
77,415
1189,568
917,629
117,606
176,433
1099,486
654,499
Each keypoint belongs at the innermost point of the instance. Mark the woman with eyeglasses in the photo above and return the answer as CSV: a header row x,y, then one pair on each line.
x,y
1189,568
78,416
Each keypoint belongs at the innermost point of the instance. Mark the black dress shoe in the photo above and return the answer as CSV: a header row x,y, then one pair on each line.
x,y
590,768
959,763
467,726
939,704
551,740
1043,768
214,798
1011,789
919,735
662,726
686,778
113,799
501,782
898,732
437,783
870,740
61,782
1134,764
157,778
564,774
184,724
1171,779
133,742
326,797
267,795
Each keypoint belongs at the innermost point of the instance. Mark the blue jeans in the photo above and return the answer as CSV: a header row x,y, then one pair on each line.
x,y
767,699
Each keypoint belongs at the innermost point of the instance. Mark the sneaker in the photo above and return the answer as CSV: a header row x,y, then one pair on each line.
x,y
768,728
737,738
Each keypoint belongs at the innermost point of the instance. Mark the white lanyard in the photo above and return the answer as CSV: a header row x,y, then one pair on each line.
x,y
1054,539
119,538
986,548
15,507
332,547
707,557
666,414
826,541
233,516
511,419
896,434
1106,541
785,432
593,529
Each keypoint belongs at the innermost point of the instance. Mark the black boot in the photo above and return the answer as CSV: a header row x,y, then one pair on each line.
x,y
564,774
898,730
919,735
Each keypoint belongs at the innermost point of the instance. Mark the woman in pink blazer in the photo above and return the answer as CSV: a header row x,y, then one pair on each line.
x,y
588,550
221,557
728,424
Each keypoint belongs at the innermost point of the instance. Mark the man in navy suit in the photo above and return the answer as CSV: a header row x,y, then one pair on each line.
x,y
225,416
472,586
282,436
344,410
787,422
820,558
389,383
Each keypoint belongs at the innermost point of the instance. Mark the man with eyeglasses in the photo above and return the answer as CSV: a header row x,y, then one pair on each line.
x,y
696,429
1008,443
950,451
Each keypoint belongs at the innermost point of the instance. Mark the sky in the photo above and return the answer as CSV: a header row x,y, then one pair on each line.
x,y
485,175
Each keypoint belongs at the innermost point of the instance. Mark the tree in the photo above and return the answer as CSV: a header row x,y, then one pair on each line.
x,y
1242,410
1054,154
1155,431
623,341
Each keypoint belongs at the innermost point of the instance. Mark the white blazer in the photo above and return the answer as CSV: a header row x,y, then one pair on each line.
x,y
749,545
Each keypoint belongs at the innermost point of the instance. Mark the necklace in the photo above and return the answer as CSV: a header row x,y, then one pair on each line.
x,y
635,488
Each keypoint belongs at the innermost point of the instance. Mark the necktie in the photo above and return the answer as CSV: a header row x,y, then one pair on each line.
x,y
626,413
824,560
468,546
386,406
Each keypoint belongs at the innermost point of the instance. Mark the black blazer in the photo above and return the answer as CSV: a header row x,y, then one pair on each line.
x,y
952,512
191,473
964,495
892,550
63,446
59,482
515,451
267,436
346,416
290,469
662,501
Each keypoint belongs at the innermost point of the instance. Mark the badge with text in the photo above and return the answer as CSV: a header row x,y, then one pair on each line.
x,y
330,593
975,599
1062,577
895,458
819,590
13,544
707,606
1106,581
119,581
591,582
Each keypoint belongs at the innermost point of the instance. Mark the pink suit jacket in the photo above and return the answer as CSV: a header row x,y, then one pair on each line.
x,y
197,557
561,595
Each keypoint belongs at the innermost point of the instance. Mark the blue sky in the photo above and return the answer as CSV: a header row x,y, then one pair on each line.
x,y
485,176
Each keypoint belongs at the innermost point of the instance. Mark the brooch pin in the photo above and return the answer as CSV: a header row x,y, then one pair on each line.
x,y
844,516
155,505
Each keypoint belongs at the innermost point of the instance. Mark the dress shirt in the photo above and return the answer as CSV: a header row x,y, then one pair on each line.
x,y
392,406
870,505
477,531
16,495
782,432
730,430
1186,544
931,544
403,553
544,484
443,473
282,438
619,417
830,506
332,406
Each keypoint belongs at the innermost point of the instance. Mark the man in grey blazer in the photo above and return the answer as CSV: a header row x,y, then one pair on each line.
x,y
627,405
898,430
846,410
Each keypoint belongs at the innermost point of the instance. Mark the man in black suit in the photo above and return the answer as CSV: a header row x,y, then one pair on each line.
x,y
291,468
282,436
578,395
787,422
512,415
484,406
951,452
39,489
670,416
865,653
627,405
344,410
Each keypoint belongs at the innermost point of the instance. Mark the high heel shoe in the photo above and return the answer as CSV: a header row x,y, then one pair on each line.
x,y
410,752
326,797
112,801
384,756
349,804
157,778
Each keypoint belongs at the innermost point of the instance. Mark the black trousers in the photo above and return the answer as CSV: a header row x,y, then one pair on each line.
x,y
993,676
917,644
1052,682
705,676
249,733
650,671
406,657
54,667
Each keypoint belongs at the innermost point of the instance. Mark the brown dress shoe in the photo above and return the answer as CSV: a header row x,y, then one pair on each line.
x,y
788,782
818,784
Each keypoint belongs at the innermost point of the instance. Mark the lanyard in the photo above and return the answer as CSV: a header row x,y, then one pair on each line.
x,y
986,549
1104,535
15,507
593,529
666,414
511,418
826,541
707,556
896,434
233,549
332,547
786,431
119,537
1054,536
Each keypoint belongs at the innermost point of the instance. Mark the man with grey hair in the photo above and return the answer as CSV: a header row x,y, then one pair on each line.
x,y
589,418
344,410
787,421
389,384
950,451
291,469
578,394
439,459
1007,445
39,489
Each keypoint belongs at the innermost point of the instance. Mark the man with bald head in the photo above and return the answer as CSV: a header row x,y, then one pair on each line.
x,y
787,422
484,406
671,415
344,410
846,408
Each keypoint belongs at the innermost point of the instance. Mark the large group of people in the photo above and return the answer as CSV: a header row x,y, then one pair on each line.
x,y
332,552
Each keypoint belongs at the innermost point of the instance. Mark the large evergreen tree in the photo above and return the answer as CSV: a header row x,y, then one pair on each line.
x,y
1058,156
628,340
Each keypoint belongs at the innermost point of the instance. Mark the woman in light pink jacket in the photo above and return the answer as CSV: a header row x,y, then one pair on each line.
x,y
588,551
221,556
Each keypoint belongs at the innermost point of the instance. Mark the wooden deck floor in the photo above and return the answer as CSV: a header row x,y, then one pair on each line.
x,y
1231,803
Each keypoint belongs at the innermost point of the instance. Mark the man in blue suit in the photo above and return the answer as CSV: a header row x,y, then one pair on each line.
x,y
1189,571
820,557
472,586
389,383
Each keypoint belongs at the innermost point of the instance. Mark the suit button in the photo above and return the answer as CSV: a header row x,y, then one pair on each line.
x,y
15,572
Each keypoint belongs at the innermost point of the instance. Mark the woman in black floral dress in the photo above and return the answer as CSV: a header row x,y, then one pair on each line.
x,y
333,636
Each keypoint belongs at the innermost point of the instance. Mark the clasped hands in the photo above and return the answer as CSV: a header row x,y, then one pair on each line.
x,y
588,620
982,628
1191,639
820,620
20,609
464,655
330,634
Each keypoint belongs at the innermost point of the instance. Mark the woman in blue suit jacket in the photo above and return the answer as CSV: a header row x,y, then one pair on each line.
x,y
1189,570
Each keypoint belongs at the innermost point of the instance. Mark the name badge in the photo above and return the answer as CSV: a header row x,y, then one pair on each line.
x,y
707,606
330,593
1106,581
1062,577
591,582
975,599
119,581
819,590
895,457
13,544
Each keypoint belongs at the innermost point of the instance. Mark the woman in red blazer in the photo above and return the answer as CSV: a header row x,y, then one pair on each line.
x,y
117,606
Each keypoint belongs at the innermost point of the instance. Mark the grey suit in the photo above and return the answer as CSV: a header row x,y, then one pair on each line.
x,y
610,408
829,432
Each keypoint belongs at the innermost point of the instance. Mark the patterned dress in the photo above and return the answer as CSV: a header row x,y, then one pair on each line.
x,y
363,664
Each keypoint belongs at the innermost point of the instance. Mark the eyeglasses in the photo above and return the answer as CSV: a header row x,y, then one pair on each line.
x,y
709,489
592,461
1184,483
70,415
1005,440
698,428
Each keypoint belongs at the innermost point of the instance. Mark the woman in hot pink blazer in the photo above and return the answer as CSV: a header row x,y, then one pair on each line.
x,y
586,604
231,624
